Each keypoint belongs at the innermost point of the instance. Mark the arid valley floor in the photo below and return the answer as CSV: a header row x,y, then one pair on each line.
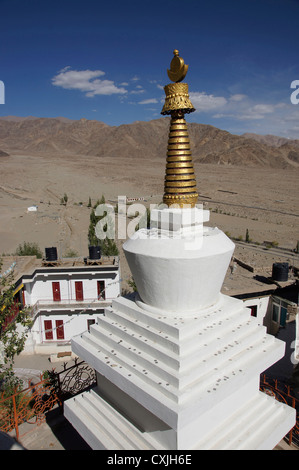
x,y
262,200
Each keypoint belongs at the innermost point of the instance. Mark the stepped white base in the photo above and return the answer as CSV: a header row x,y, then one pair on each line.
x,y
179,383
258,425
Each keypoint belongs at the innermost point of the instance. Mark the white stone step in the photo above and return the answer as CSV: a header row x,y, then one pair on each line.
x,y
168,341
215,331
228,348
154,342
202,381
254,426
134,312
224,346
176,331
247,363
139,361
140,358
110,366
106,427
137,340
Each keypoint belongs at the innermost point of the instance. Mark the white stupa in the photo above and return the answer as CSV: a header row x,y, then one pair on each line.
x,y
178,366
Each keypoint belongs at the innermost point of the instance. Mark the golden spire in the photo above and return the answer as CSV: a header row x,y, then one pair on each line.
x,y
180,183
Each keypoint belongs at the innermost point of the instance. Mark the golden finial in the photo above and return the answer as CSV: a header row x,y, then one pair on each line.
x,y
178,69
180,183
177,96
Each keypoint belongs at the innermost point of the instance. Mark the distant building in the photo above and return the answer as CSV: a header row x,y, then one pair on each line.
x,y
275,304
64,297
32,208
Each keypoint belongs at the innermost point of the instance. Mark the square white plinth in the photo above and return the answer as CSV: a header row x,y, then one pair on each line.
x,y
176,381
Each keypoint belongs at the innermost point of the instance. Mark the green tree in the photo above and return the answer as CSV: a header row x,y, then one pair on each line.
x,y
92,239
14,323
29,249
100,201
109,247
107,244
132,284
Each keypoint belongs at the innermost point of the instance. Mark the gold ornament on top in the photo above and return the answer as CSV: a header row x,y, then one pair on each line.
x,y
177,95
180,182
178,68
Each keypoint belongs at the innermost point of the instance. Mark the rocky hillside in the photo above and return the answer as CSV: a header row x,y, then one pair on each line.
x,y
61,136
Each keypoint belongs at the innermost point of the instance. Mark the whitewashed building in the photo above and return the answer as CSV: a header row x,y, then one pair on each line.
x,y
64,298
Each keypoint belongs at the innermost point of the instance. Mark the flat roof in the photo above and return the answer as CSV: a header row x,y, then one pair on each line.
x,y
26,266
252,273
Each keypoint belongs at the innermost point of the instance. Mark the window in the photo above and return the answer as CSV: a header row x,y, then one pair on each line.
x,y
79,290
101,290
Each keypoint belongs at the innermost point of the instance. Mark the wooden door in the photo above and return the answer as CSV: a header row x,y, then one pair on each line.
x,y
48,329
59,329
56,291
79,290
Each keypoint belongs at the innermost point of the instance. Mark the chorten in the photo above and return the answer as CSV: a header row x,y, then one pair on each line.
x,y
178,365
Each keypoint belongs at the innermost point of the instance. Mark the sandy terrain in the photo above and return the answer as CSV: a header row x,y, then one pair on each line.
x,y
264,201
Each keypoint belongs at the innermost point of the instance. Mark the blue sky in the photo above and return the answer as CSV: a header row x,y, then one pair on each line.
x,y
108,60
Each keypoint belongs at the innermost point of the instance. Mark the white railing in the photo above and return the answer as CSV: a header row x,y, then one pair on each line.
x,y
51,304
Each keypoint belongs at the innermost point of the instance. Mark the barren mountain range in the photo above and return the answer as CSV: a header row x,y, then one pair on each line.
x,y
61,136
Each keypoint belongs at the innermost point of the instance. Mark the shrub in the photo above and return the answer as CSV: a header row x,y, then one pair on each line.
x,y
29,249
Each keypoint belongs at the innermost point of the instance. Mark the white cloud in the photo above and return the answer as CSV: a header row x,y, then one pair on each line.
x,y
238,97
263,108
86,81
250,115
203,102
293,116
267,117
258,111
137,92
149,101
